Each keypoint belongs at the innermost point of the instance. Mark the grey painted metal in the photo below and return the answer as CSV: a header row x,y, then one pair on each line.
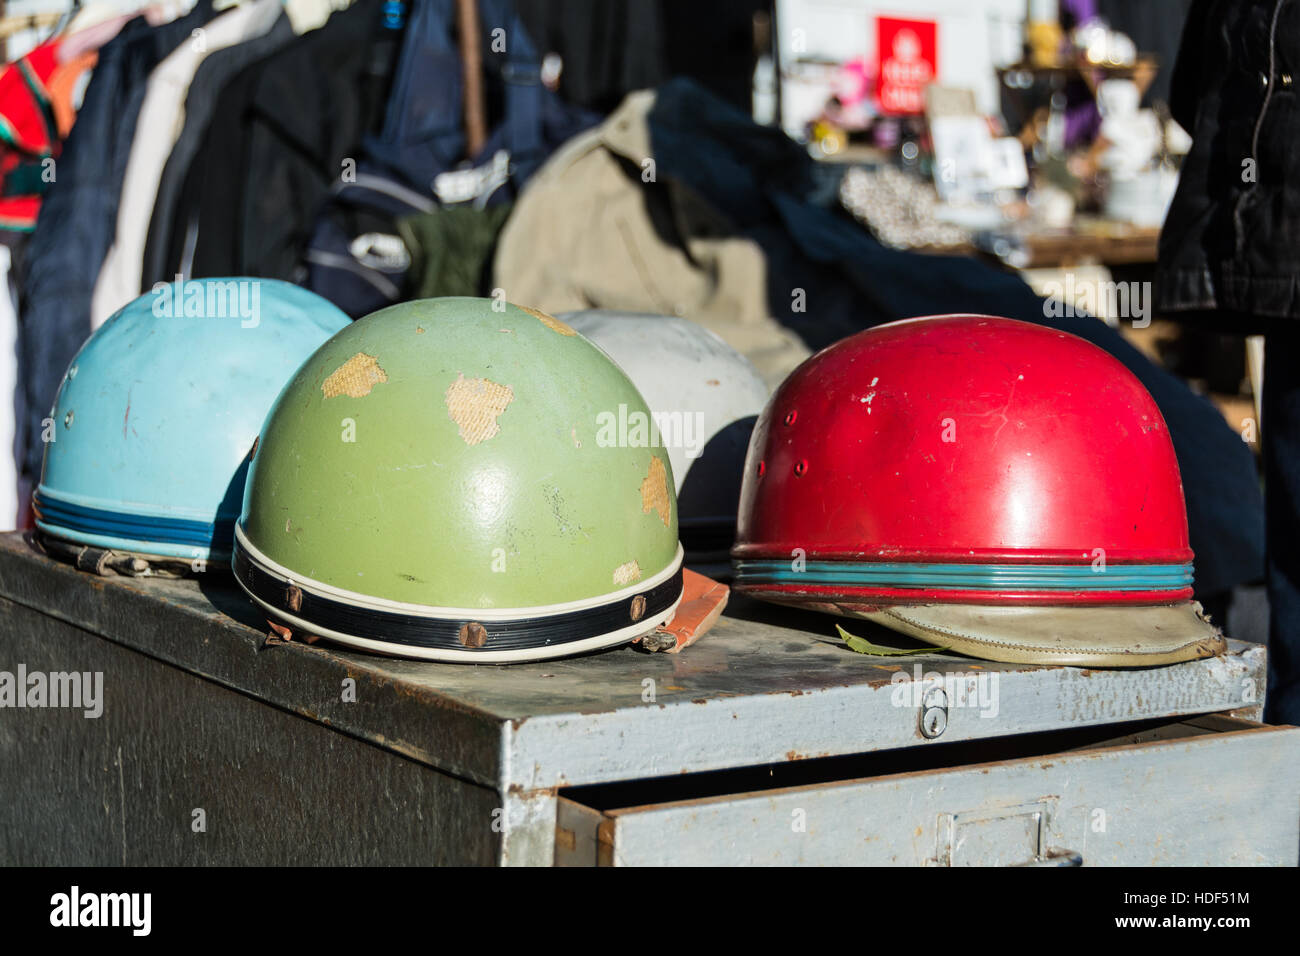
x,y
485,748
1226,798
528,835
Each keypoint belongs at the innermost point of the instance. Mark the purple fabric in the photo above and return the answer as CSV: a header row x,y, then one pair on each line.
x,y
1075,13
1082,122
1082,118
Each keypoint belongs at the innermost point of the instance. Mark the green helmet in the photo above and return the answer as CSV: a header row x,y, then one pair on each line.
x,y
454,479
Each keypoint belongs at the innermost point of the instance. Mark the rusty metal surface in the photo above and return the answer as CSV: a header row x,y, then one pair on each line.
x,y
271,787
767,685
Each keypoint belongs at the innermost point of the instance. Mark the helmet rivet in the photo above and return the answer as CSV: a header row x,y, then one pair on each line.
x,y
800,467
638,607
473,634
293,597
762,468
790,416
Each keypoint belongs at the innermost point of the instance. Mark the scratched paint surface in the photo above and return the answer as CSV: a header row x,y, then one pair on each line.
x,y
448,453
156,414
964,437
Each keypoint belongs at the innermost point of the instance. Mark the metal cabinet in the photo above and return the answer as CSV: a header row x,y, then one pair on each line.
x,y
766,742
1208,791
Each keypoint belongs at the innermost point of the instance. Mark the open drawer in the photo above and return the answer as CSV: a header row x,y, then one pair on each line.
x,y
1211,790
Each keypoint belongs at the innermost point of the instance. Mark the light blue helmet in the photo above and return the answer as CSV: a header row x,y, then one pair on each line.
x,y
149,441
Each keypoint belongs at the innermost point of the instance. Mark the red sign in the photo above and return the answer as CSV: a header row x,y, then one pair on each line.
x,y
907,51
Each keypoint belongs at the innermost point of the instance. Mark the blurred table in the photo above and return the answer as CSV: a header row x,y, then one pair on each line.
x,y
1087,241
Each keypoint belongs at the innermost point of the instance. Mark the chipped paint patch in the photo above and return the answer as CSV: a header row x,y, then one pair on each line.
x,y
654,491
355,377
474,404
625,574
550,321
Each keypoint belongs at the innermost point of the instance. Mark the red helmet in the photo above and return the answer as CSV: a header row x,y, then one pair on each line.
x,y
994,486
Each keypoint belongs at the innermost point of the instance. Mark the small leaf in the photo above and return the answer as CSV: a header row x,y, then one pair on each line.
x,y
864,646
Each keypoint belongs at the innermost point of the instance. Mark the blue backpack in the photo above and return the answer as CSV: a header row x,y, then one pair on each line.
x,y
356,258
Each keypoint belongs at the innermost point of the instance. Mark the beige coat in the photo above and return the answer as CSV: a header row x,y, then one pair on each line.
x,y
596,228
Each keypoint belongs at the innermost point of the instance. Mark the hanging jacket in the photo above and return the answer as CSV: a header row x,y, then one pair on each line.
x,y
78,217
414,164
278,134
213,76
607,50
28,136
161,120
1230,246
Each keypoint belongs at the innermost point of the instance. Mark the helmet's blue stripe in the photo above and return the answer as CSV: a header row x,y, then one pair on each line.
x,y
64,516
972,577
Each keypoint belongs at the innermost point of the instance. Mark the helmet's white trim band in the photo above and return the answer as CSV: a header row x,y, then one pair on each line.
x,y
356,599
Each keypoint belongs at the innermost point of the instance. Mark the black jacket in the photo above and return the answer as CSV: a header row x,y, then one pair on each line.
x,y
216,71
279,132
1231,241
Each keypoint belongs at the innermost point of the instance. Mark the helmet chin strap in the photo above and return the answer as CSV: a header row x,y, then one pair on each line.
x,y
106,561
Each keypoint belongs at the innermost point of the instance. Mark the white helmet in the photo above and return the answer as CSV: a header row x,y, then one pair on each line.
x,y
705,397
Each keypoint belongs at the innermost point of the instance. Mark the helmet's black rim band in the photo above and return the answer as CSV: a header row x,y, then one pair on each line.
x,y
450,633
